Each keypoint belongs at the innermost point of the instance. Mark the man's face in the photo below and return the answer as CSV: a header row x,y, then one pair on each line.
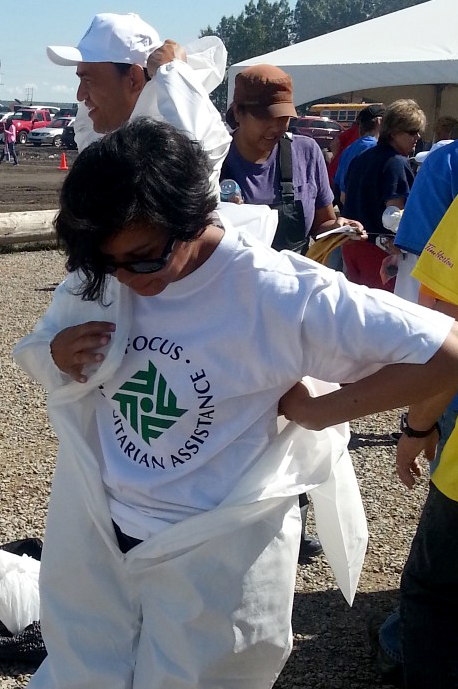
x,y
109,96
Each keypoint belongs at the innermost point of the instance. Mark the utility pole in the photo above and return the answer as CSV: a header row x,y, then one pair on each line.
x,y
29,94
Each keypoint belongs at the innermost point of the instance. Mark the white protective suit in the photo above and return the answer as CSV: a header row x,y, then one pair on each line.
x,y
205,603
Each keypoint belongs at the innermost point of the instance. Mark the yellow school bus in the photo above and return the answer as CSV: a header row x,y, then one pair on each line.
x,y
344,113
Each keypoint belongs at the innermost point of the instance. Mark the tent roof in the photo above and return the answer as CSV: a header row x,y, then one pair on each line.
x,y
418,45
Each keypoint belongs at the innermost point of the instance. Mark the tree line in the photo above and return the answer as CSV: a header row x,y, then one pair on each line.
x,y
264,26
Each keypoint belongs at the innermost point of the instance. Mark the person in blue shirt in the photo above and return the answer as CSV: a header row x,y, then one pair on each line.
x,y
369,121
436,185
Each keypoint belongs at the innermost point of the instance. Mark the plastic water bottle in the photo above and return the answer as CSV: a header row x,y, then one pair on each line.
x,y
391,218
229,189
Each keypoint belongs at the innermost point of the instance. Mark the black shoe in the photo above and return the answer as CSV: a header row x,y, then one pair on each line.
x,y
395,435
310,547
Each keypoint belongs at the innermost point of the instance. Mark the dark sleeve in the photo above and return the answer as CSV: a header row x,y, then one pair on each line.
x,y
397,178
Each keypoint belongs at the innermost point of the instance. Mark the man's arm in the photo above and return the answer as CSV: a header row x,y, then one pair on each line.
x,y
176,95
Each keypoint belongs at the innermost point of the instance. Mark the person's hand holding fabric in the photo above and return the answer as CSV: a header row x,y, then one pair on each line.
x,y
297,398
76,347
170,50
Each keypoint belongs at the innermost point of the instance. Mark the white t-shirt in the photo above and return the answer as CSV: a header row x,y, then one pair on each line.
x,y
194,404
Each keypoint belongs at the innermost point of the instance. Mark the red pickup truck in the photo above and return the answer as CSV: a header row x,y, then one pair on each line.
x,y
27,119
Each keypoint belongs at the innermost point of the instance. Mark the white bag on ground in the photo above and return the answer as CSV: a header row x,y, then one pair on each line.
x,y
19,596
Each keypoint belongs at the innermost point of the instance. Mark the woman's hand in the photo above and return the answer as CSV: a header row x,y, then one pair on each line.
x,y
169,50
297,405
76,346
360,232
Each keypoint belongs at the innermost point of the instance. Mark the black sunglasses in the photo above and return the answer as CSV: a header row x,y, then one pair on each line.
x,y
144,265
413,132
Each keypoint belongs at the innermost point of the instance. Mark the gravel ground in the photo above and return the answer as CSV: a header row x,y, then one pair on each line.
x,y
331,649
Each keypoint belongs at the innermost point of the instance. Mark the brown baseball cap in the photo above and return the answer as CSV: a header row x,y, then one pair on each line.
x,y
266,91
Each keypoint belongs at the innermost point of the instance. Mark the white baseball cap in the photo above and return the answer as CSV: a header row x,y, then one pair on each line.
x,y
123,38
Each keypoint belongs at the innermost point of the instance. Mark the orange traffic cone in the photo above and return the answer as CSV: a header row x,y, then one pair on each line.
x,y
63,163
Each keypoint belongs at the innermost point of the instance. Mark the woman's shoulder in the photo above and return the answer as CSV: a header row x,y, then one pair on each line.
x,y
306,143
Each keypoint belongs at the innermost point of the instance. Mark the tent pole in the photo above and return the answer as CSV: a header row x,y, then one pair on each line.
x,y
438,105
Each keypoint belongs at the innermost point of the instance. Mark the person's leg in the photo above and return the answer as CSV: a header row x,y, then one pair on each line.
x,y
218,616
335,260
350,260
390,637
407,286
13,152
363,261
310,546
429,598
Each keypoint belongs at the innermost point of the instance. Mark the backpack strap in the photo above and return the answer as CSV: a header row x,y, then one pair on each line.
x,y
286,169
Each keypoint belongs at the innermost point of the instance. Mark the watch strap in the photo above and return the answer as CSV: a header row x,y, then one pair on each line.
x,y
413,433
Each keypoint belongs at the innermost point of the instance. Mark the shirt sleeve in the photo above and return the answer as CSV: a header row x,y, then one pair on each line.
x,y
350,331
324,194
339,177
395,181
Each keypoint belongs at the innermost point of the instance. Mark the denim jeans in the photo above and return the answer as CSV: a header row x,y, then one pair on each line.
x,y
429,598
11,151
390,636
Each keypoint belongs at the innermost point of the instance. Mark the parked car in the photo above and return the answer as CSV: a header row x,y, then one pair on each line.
x,y
68,137
68,112
53,109
26,120
322,129
51,135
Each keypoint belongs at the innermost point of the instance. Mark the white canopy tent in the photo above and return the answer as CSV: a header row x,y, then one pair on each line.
x,y
418,45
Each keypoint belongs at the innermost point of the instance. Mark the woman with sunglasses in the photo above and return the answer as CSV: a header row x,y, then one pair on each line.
x,y
377,179
173,529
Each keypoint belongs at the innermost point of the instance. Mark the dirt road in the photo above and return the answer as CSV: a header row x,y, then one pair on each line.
x,y
35,183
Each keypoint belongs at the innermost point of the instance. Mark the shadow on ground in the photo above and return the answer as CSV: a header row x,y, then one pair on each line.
x,y
331,645
361,440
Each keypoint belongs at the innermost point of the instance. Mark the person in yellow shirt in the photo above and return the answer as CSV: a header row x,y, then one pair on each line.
x,y
429,585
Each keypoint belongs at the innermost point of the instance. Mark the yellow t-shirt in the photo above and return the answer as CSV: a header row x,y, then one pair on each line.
x,y
437,270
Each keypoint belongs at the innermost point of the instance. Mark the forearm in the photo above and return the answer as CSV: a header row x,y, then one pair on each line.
x,y
325,219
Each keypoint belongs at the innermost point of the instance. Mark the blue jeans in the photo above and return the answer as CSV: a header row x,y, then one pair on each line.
x,y
11,152
429,598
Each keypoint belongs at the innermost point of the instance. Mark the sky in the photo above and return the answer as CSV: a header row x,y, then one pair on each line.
x,y
24,64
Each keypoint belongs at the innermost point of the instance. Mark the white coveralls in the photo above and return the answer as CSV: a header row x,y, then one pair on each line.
x,y
191,607
205,603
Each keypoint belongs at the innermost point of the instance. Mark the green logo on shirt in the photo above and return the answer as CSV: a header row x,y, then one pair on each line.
x,y
147,392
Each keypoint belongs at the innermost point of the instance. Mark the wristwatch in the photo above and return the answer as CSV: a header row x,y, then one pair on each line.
x,y
412,433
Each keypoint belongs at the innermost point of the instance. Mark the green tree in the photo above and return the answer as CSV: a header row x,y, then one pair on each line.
x,y
316,17
260,28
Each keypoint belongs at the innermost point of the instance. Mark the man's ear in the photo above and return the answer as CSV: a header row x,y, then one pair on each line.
x,y
136,78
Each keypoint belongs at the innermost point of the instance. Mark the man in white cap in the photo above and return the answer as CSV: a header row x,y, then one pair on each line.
x,y
115,60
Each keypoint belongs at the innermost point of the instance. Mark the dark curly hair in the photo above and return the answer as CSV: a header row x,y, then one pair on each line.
x,y
146,174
